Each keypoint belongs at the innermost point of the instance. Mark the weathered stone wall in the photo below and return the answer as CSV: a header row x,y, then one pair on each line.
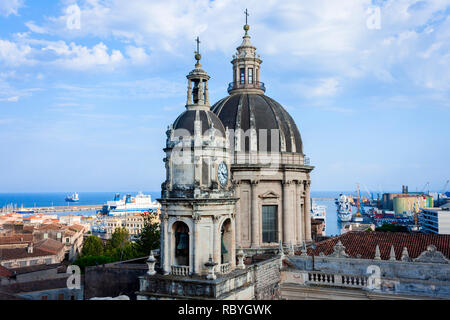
x,y
397,277
238,284
113,280
267,279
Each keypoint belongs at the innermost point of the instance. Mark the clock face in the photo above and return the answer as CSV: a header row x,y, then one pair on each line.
x,y
222,173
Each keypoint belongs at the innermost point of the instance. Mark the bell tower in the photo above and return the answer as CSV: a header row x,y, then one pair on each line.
x,y
246,67
197,198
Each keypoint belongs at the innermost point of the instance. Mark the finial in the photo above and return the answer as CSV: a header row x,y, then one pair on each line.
x,y
246,27
198,56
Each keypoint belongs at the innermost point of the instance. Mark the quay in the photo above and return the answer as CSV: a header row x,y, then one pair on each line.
x,y
94,207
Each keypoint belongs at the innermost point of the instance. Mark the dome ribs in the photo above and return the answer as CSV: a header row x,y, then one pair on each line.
x,y
285,144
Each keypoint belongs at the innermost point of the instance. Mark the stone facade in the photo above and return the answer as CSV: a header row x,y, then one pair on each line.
x,y
339,276
268,164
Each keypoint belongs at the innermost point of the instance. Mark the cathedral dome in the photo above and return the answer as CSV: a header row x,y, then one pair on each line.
x,y
207,119
257,111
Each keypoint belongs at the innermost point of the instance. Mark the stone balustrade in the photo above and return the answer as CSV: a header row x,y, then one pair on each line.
x,y
180,270
339,280
225,268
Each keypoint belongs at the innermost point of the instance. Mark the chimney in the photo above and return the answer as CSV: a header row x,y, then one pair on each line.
x,y
30,247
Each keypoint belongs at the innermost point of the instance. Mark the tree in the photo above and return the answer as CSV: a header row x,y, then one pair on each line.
x,y
149,238
88,261
93,246
119,239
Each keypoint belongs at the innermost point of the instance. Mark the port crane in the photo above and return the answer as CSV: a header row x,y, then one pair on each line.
x,y
358,202
445,187
423,189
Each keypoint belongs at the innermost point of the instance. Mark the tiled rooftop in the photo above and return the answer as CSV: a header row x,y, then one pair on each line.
x,y
364,244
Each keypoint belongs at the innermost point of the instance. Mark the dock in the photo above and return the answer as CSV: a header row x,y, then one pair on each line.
x,y
54,209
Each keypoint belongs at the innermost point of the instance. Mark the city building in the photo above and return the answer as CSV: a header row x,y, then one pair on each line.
x,y
435,220
370,265
46,251
237,185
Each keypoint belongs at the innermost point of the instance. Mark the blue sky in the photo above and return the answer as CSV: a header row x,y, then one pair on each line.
x,y
84,103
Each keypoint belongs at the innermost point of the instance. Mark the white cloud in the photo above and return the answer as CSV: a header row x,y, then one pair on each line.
x,y
320,88
8,7
79,57
13,54
137,55
9,93
35,28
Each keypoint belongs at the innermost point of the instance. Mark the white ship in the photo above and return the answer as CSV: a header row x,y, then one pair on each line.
x,y
319,212
344,209
139,203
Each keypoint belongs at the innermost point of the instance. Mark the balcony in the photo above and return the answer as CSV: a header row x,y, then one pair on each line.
x,y
256,85
180,270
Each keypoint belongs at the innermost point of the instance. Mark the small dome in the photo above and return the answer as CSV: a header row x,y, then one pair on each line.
x,y
207,118
250,110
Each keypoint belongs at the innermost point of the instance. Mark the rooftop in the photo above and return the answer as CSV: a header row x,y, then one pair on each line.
x,y
364,244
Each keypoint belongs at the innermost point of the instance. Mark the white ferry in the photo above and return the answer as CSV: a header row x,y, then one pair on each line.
x,y
139,203
319,212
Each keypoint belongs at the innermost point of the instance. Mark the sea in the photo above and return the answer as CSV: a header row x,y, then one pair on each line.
x,y
49,199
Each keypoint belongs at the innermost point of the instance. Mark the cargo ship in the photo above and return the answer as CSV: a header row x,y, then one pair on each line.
x,y
73,198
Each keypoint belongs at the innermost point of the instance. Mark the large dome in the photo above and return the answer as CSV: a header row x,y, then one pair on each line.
x,y
258,111
207,118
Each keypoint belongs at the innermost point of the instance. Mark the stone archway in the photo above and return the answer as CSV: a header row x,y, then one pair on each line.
x,y
226,241
181,247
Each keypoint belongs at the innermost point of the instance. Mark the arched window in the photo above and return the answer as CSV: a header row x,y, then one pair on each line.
x,y
181,233
250,75
242,75
225,242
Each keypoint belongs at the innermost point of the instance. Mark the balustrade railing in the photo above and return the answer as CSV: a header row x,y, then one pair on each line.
x,y
339,280
254,85
180,270
225,268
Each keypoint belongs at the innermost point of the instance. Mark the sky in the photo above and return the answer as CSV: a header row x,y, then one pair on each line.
x,y
88,87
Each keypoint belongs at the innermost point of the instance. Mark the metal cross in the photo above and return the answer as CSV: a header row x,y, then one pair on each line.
x,y
198,44
246,15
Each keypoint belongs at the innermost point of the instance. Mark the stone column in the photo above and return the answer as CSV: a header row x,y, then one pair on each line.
x,y
287,213
194,262
255,215
216,240
165,243
299,214
237,231
189,93
233,242
307,211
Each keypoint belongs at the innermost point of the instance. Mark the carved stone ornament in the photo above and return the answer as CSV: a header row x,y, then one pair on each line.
x,y
431,255
405,255
269,195
339,251
196,216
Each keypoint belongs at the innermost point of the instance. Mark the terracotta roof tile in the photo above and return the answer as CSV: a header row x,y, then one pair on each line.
x,y
16,238
364,244
5,272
